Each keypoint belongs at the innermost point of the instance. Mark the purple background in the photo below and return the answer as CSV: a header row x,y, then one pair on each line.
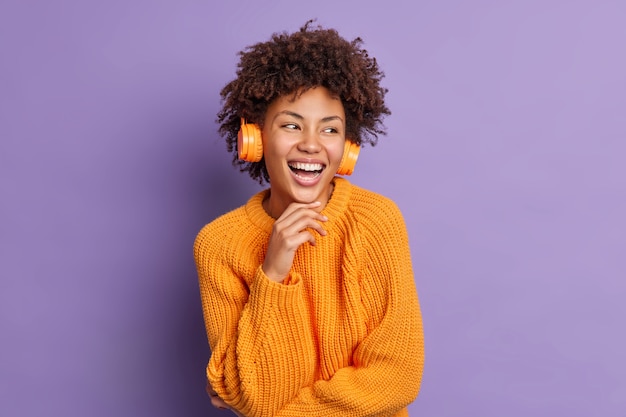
x,y
506,152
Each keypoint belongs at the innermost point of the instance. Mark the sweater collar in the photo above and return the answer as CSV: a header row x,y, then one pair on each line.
x,y
335,207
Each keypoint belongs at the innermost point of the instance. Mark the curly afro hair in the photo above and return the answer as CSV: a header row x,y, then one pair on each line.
x,y
289,64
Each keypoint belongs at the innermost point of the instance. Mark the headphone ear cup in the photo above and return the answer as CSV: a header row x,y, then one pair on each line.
x,y
249,142
348,160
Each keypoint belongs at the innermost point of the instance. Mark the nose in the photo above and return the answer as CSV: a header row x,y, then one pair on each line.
x,y
310,142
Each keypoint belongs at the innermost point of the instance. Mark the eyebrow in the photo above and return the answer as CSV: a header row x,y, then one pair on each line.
x,y
300,117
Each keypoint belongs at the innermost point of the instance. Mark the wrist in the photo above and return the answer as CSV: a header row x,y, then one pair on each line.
x,y
273,275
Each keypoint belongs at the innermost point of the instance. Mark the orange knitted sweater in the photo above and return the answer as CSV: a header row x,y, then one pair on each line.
x,y
341,336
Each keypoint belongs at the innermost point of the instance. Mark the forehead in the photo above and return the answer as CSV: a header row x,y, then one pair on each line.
x,y
318,101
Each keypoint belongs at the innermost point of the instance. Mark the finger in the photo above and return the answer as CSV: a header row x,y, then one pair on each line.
x,y
299,220
283,250
293,242
295,227
217,402
297,212
299,233
318,228
280,254
298,206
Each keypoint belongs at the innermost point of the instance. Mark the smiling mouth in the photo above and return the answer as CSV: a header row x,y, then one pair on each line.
x,y
305,170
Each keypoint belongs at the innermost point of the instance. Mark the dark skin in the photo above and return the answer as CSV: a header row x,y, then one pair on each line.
x,y
217,402
285,66
288,233
289,63
311,130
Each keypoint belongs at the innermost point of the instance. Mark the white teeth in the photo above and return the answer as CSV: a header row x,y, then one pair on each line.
x,y
306,167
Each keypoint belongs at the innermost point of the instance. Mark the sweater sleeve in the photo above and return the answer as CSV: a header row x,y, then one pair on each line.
x,y
252,329
387,366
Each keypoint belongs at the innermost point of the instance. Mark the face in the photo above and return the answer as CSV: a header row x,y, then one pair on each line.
x,y
303,142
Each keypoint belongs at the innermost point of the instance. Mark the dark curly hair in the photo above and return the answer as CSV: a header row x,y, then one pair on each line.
x,y
293,63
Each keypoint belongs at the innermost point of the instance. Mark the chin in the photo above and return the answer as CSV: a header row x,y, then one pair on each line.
x,y
306,198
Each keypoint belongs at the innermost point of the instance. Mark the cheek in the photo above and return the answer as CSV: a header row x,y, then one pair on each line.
x,y
272,148
336,152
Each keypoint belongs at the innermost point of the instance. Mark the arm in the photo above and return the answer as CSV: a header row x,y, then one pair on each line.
x,y
263,357
387,366
251,327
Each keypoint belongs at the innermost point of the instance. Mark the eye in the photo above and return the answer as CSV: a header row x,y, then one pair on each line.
x,y
331,130
290,126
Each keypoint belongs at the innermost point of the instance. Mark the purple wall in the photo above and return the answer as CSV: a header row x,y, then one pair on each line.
x,y
506,152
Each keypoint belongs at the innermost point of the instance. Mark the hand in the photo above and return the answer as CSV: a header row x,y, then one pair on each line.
x,y
288,233
217,402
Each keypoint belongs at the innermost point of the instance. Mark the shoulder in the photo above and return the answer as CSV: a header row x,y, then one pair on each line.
x,y
225,221
378,217
219,231
236,230
369,205
243,220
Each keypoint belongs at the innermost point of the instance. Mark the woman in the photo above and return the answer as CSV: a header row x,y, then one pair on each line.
x,y
307,290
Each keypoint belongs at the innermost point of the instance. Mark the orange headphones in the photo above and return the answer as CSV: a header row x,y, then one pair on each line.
x,y
250,148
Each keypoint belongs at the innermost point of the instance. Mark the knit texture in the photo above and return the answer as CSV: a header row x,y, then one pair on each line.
x,y
341,336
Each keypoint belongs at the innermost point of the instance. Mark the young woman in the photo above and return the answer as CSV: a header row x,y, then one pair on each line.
x,y
307,290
